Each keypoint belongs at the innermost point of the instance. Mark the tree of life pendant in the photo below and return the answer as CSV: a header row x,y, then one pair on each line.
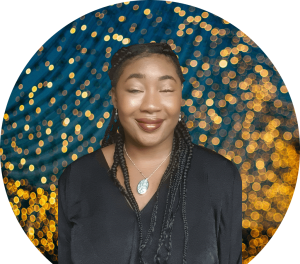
x,y
143,186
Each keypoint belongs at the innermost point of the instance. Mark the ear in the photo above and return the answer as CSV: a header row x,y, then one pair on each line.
x,y
114,97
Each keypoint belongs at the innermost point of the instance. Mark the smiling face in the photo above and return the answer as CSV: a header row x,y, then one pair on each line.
x,y
148,89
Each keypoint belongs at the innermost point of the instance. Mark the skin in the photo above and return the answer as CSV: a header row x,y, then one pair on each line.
x,y
152,98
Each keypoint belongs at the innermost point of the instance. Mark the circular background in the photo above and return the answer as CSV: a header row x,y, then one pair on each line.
x,y
11,159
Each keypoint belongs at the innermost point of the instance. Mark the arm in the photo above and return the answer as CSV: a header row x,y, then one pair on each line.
x,y
230,229
64,225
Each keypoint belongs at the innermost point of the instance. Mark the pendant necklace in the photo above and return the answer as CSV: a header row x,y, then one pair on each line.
x,y
143,185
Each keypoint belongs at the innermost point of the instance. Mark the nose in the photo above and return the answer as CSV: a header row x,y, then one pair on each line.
x,y
151,101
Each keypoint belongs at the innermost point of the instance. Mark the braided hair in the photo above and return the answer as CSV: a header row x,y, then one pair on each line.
x,y
177,169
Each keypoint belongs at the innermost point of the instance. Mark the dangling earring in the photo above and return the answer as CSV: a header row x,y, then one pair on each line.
x,y
116,114
179,117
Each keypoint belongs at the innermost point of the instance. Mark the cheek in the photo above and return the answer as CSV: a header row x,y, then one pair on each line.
x,y
133,102
127,103
172,105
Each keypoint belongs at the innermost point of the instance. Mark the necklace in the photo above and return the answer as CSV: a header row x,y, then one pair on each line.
x,y
143,185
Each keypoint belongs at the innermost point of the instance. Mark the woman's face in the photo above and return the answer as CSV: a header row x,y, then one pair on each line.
x,y
149,89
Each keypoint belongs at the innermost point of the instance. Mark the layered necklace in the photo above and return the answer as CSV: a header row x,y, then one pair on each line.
x,y
143,185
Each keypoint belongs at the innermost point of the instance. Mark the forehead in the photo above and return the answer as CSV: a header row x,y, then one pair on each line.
x,y
155,57
144,63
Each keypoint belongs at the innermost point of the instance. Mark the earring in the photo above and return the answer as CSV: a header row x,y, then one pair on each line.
x,y
179,117
116,114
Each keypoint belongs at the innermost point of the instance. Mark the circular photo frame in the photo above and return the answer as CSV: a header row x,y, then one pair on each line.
x,y
236,104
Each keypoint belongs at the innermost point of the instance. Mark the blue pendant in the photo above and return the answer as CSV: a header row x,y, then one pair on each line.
x,y
143,186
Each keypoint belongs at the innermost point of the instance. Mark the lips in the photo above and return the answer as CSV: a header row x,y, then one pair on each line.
x,y
149,125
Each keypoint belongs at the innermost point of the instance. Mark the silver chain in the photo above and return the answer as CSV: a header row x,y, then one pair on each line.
x,y
138,168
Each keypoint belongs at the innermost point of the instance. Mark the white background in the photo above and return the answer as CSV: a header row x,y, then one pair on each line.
x,y
27,25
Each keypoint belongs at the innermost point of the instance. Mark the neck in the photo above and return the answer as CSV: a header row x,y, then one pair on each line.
x,y
145,155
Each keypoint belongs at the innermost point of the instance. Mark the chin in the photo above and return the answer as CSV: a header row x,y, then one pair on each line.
x,y
146,140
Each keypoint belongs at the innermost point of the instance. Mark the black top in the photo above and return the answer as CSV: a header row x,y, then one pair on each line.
x,y
97,225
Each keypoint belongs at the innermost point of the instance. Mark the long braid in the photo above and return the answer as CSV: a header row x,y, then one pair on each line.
x,y
119,150
172,217
171,214
177,169
107,140
187,137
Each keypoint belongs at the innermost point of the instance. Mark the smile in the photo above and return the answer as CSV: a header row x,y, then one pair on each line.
x,y
149,127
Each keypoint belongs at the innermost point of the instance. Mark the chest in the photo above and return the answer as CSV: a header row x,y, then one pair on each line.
x,y
137,183
106,229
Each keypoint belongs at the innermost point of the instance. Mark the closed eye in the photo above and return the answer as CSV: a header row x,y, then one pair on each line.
x,y
134,91
167,91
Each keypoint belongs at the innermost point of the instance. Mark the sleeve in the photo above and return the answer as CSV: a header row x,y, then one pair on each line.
x,y
230,229
64,225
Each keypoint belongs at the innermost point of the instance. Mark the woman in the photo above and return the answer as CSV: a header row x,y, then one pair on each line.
x,y
149,195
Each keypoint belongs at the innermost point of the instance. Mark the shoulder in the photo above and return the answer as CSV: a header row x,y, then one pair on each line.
x,y
84,167
217,168
91,158
211,157
108,153
75,169
83,161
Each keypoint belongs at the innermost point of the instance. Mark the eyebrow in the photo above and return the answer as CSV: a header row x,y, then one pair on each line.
x,y
140,76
